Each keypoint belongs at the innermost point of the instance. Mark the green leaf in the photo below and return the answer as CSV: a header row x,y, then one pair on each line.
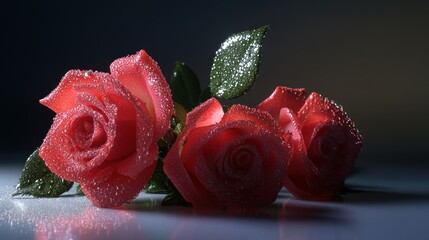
x,y
236,64
180,112
185,86
157,183
38,181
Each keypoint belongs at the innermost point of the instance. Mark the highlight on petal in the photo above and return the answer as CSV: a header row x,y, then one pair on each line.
x,y
283,97
141,75
288,123
198,122
208,113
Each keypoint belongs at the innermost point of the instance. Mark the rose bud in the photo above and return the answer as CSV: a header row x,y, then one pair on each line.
x,y
325,142
105,133
235,159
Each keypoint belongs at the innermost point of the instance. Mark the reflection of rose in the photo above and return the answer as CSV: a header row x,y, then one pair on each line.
x,y
91,224
325,141
234,159
105,135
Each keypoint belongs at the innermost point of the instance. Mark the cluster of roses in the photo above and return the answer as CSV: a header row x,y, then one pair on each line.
x,y
106,131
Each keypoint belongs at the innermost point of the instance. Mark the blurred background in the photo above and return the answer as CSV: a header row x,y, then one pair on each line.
x,y
372,57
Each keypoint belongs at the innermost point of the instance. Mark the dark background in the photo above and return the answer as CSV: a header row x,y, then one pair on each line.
x,y
369,56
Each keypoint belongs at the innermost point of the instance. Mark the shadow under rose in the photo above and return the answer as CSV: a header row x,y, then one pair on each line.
x,y
315,220
357,194
291,209
304,211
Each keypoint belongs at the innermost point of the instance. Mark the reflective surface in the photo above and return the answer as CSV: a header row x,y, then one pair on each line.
x,y
380,203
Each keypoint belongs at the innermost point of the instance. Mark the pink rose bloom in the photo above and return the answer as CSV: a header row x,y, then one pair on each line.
x,y
235,159
325,141
105,133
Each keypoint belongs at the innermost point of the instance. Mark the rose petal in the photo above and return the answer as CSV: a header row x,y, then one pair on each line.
x,y
63,97
283,97
117,189
243,113
194,140
296,178
206,196
143,158
141,75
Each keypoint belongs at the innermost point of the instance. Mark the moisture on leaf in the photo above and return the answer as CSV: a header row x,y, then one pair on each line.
x,y
38,181
236,64
185,86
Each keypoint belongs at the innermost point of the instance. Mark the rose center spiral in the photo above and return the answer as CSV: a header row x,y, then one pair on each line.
x,y
241,159
88,133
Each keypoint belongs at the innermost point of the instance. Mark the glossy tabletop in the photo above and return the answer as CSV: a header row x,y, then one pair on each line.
x,y
380,203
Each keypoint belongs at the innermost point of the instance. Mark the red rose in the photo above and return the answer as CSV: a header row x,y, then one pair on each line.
x,y
235,159
325,141
105,135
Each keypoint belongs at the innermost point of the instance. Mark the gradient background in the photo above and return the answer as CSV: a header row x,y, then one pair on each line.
x,y
369,56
